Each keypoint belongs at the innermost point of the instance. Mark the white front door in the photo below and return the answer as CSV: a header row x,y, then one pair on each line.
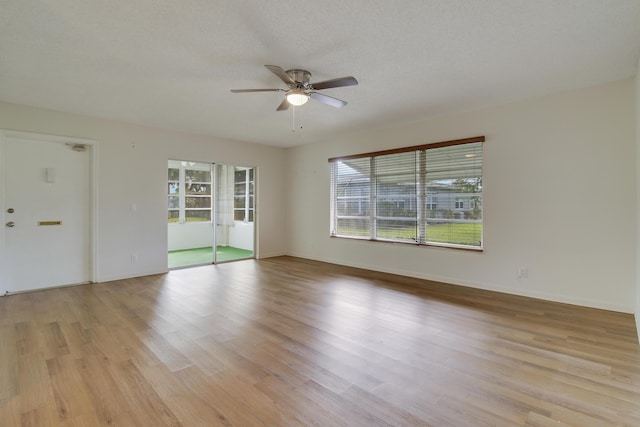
x,y
46,213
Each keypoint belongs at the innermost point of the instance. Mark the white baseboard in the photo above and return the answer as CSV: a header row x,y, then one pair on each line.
x,y
124,276
271,254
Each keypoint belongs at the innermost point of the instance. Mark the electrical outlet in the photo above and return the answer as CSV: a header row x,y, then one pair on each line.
x,y
523,273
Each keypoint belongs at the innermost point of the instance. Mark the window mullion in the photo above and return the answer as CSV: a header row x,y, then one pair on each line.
x,y
422,196
372,199
333,226
183,189
246,196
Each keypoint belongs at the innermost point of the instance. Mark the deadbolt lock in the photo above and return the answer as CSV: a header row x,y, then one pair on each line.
x,y
10,210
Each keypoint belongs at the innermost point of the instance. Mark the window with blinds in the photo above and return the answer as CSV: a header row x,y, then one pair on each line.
x,y
429,194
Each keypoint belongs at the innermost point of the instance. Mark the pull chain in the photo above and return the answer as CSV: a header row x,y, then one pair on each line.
x,y
293,124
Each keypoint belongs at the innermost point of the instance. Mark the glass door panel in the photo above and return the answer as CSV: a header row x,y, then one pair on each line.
x,y
235,212
190,208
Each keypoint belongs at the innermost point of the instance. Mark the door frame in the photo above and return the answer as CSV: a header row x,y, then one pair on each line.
x,y
93,196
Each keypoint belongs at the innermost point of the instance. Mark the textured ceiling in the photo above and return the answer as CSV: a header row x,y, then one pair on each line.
x,y
171,64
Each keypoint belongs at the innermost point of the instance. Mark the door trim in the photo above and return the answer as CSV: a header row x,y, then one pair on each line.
x,y
93,196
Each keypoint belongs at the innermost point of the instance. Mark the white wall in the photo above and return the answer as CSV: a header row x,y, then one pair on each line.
x,y
241,235
200,234
559,199
132,169
189,235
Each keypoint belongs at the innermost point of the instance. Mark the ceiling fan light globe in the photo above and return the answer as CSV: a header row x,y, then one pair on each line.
x,y
297,98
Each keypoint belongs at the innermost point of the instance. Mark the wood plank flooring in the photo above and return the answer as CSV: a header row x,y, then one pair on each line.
x,y
292,342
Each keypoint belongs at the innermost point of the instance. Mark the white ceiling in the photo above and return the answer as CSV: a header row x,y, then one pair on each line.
x,y
171,63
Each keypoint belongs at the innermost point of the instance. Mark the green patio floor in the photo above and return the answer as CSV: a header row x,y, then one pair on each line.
x,y
197,256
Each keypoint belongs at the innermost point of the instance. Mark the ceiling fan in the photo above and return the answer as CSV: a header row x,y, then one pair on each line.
x,y
299,89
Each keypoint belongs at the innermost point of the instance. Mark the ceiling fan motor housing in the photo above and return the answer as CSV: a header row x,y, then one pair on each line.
x,y
302,77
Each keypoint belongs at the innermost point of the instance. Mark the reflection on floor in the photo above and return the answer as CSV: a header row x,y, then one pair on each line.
x,y
197,256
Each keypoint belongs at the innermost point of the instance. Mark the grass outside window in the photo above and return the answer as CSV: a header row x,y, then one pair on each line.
x,y
467,234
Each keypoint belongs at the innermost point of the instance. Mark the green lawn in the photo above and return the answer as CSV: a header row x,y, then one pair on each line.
x,y
452,233
458,234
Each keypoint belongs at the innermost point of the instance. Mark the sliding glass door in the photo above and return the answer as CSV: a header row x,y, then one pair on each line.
x,y
201,195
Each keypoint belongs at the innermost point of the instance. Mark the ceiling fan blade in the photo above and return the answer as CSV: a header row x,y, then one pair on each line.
x,y
255,90
339,82
283,106
278,71
329,100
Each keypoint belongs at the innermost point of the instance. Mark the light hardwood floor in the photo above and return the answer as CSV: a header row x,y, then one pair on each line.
x,y
292,342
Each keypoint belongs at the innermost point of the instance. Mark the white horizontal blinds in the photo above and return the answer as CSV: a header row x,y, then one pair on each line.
x,y
426,194
351,197
453,203
396,199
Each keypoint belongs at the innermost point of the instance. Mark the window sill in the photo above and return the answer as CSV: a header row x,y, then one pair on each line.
x,y
395,242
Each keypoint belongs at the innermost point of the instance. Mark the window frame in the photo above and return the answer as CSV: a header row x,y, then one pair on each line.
x,y
182,194
424,198
248,211
432,202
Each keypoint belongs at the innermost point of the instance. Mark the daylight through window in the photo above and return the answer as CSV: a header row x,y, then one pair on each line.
x,y
429,194
189,192
243,194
